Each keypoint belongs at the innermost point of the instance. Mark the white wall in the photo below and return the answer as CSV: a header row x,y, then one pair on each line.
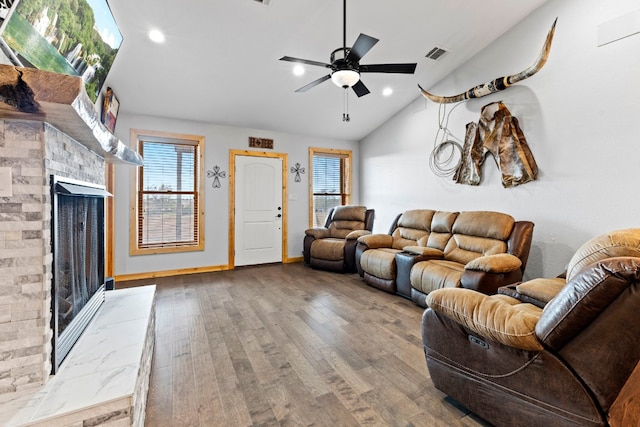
x,y
218,141
579,114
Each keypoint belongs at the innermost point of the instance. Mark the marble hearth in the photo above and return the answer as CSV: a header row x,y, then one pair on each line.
x,y
105,378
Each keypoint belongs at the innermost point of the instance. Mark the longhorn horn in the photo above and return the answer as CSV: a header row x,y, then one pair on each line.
x,y
500,83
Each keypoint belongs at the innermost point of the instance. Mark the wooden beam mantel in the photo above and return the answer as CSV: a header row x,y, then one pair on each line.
x,y
62,101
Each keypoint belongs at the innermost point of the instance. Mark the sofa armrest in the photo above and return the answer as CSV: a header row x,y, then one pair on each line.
x,y
374,241
487,273
318,233
537,291
426,252
356,234
498,318
541,289
498,263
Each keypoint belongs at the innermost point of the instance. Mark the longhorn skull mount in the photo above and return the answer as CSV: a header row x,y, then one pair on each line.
x,y
500,83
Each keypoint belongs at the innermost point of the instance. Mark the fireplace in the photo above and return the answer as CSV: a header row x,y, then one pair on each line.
x,y
78,261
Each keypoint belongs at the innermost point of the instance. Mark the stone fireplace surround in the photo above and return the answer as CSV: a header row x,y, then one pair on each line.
x,y
34,150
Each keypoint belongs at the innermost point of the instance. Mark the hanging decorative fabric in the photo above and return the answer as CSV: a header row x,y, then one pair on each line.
x,y
498,133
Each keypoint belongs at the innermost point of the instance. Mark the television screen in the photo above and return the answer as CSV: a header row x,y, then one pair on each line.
x,y
76,37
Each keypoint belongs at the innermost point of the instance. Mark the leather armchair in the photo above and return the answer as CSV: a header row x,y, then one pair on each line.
x,y
574,362
333,246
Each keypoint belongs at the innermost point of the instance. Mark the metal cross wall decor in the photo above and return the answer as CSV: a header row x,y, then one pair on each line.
x,y
297,170
216,174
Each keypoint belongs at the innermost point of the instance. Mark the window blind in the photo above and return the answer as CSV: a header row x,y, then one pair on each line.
x,y
328,186
167,194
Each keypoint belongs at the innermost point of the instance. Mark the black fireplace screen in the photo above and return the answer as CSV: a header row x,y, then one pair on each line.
x,y
78,263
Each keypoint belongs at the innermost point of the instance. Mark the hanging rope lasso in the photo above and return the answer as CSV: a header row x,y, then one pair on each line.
x,y
442,160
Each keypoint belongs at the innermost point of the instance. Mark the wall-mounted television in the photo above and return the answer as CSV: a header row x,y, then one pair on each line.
x,y
75,37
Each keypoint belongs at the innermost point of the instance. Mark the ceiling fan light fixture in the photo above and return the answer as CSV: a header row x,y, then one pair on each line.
x,y
345,78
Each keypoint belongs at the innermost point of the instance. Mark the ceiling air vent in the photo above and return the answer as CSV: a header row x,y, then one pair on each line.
x,y
435,53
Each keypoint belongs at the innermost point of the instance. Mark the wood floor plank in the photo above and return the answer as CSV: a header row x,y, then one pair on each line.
x,y
285,345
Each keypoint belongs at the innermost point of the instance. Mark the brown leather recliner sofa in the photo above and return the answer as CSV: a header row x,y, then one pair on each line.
x,y
333,246
486,250
428,250
380,257
570,361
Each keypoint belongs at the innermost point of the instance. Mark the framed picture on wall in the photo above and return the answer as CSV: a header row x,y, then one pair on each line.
x,y
75,37
110,107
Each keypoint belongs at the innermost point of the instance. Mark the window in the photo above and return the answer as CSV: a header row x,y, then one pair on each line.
x,y
330,183
167,207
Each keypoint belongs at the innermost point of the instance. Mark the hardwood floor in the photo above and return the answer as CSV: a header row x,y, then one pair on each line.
x,y
285,345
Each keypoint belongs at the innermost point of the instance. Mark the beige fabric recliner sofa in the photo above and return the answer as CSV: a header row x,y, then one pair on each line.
x,y
333,246
378,255
567,354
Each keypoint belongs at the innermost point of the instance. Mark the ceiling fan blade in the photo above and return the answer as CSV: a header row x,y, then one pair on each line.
x,y
360,89
305,61
362,45
314,83
388,68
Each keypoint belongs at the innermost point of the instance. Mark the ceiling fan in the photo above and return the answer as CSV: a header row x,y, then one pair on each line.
x,y
345,63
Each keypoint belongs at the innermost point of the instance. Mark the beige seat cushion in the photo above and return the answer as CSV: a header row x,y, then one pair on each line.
x,y
328,249
427,276
380,263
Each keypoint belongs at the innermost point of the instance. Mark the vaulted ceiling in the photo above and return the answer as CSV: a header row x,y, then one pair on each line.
x,y
219,63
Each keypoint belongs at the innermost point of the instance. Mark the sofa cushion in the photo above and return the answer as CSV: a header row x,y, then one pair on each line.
x,y
442,222
380,263
492,225
465,248
498,317
441,228
346,219
419,219
329,249
427,276
614,244
413,228
349,213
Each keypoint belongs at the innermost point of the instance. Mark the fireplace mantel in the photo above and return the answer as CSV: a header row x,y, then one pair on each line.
x,y
62,101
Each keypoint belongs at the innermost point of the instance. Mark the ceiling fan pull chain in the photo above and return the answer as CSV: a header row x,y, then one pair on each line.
x,y
345,105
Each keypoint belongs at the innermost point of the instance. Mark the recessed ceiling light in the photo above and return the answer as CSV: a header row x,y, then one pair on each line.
x,y
387,91
156,36
298,70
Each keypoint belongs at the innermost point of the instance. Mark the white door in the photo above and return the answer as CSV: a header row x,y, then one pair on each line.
x,y
258,210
